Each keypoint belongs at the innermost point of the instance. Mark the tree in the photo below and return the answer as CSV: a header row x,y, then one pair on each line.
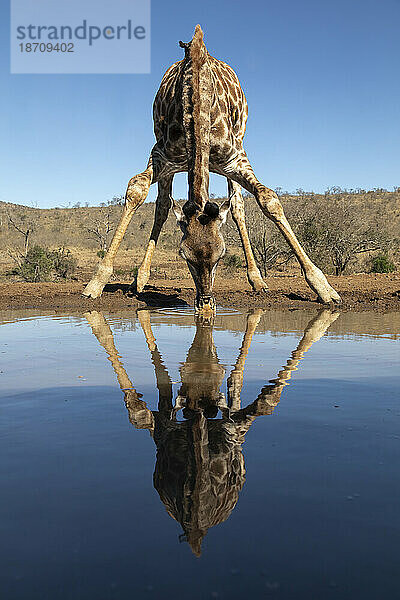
x,y
25,228
102,228
116,201
269,248
335,230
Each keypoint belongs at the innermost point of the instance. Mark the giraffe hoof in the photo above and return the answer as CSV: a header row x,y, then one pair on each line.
x,y
95,287
140,281
257,283
333,299
319,284
93,290
329,296
260,287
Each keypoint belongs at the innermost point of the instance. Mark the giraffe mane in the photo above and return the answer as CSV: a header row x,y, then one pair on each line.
x,y
196,93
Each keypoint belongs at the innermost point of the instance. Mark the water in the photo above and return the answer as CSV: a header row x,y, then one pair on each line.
x,y
152,458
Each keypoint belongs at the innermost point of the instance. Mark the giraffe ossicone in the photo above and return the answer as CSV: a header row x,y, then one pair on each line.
x,y
200,113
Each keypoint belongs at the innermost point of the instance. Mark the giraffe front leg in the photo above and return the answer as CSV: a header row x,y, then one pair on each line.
x,y
237,208
242,172
136,193
315,278
163,204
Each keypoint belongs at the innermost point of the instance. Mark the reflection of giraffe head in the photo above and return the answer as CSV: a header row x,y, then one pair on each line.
x,y
201,373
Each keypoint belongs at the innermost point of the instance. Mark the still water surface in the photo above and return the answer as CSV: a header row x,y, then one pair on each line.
x,y
151,456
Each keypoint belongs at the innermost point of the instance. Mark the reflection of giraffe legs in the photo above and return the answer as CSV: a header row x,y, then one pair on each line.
x,y
102,331
312,333
235,379
242,172
206,383
164,383
139,415
271,394
200,468
163,203
136,193
237,208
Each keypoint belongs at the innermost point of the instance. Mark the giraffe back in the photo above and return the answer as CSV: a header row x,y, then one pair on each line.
x,y
227,119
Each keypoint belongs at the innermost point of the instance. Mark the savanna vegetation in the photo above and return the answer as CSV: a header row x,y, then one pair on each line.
x,y
343,231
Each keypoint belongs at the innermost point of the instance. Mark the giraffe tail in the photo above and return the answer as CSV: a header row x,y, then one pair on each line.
x,y
196,102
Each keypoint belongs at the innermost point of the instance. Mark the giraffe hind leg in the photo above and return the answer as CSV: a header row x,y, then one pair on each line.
x,y
237,207
163,203
136,193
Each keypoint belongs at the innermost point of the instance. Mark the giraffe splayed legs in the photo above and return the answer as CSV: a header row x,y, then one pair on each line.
x,y
136,194
200,114
240,170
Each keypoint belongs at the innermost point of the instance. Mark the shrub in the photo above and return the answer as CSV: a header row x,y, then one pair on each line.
x,y
125,273
101,253
36,265
382,264
40,264
233,261
64,264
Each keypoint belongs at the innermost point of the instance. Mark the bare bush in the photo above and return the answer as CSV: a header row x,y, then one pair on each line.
x,y
269,248
24,225
336,229
101,229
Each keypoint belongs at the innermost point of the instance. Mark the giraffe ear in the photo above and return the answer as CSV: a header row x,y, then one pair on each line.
x,y
179,214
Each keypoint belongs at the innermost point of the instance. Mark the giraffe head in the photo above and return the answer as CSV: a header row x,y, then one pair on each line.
x,y
202,246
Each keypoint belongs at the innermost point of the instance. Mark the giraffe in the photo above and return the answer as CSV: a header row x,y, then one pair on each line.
x,y
200,467
200,113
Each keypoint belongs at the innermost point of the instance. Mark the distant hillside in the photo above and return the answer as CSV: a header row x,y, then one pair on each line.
x,y
85,230
70,227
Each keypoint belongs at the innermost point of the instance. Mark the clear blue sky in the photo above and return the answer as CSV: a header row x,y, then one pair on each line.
x,y
321,79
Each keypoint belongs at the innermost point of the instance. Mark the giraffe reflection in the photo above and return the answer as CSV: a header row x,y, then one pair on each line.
x,y
200,467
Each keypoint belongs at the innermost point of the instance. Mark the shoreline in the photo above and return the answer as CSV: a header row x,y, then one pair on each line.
x,y
379,293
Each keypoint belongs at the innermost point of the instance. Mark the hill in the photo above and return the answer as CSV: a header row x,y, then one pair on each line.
x,y
87,230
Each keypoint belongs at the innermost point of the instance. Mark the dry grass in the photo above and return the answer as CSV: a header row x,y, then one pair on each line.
x,y
69,228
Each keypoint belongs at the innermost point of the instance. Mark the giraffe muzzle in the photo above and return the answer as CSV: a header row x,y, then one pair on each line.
x,y
205,304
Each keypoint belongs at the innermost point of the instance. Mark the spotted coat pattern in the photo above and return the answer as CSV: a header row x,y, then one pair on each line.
x,y
228,118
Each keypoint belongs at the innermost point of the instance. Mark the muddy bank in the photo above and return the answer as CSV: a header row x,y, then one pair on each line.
x,y
358,292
